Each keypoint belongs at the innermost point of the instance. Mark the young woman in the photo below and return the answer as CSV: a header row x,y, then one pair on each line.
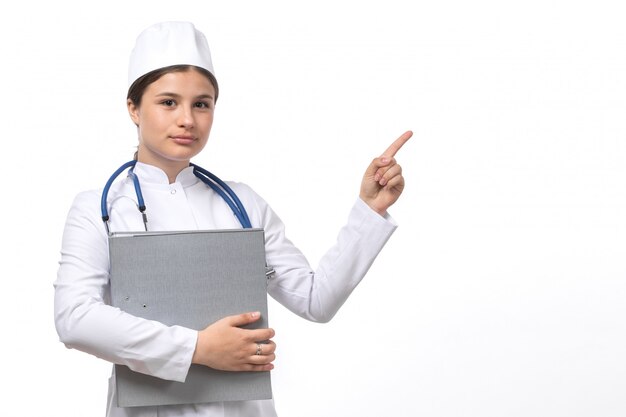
x,y
171,99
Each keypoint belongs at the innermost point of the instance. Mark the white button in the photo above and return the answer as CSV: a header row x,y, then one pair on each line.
x,y
173,191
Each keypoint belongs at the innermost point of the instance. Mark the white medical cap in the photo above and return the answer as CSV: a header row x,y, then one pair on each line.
x,y
168,43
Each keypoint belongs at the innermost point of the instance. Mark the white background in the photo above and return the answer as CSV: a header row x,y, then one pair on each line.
x,y
503,291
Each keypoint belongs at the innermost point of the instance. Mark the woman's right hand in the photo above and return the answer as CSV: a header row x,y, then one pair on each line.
x,y
225,346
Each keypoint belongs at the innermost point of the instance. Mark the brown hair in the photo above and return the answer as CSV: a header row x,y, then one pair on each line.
x,y
136,90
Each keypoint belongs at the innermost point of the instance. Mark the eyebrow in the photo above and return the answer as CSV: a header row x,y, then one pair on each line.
x,y
168,94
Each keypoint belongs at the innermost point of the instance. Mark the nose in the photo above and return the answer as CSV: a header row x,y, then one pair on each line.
x,y
185,117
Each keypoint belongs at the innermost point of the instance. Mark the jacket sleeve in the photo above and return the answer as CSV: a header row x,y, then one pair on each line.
x,y
83,317
318,294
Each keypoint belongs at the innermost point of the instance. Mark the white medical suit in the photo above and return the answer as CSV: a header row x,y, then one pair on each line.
x,y
86,321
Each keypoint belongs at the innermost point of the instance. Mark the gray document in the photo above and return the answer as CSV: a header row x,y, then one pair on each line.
x,y
191,279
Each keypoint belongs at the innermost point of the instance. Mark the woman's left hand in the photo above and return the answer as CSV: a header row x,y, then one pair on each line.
x,y
383,181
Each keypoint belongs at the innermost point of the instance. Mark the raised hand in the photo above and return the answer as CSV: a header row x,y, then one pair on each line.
x,y
383,181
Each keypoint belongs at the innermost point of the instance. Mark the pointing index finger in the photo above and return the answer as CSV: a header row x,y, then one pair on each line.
x,y
397,144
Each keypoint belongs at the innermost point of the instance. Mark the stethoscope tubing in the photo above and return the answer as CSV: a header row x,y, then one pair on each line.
x,y
219,187
211,180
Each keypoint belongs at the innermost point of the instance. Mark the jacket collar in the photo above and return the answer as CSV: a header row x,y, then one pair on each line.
x,y
149,174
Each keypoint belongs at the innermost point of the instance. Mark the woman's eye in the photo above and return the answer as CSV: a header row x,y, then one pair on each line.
x,y
168,103
203,105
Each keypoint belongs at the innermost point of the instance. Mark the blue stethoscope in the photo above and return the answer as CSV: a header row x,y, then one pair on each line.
x,y
219,186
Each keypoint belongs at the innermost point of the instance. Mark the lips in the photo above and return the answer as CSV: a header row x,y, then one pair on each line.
x,y
183,139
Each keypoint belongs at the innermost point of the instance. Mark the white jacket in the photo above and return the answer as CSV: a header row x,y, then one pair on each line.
x,y
86,321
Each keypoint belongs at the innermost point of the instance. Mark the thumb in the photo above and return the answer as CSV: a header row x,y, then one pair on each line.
x,y
377,163
239,320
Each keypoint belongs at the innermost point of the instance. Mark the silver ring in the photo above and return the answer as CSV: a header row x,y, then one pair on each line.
x,y
258,349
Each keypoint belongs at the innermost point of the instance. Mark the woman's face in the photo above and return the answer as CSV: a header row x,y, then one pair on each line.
x,y
174,119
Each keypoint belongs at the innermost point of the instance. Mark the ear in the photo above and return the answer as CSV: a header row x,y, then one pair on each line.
x,y
133,111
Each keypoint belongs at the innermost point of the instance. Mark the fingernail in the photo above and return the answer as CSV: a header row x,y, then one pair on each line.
x,y
255,314
384,160
377,177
